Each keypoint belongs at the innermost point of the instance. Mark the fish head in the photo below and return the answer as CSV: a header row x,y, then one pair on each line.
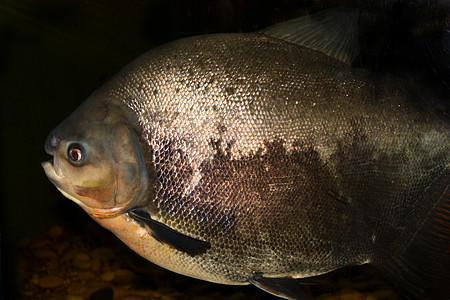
x,y
97,160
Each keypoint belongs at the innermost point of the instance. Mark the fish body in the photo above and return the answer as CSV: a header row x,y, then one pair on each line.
x,y
235,158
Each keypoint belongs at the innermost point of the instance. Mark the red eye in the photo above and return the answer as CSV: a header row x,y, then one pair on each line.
x,y
76,153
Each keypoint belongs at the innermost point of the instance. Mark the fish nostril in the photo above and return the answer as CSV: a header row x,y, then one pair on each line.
x,y
52,143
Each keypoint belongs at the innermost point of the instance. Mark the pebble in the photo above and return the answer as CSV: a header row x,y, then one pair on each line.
x,y
105,293
132,297
86,275
95,264
74,297
50,281
328,297
124,273
120,292
125,277
237,296
170,297
55,232
103,254
108,276
76,288
382,294
92,271
45,254
70,255
350,294
83,265
143,293
200,298
82,257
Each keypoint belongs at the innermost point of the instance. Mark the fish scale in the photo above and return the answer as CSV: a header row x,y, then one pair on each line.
x,y
262,159
171,201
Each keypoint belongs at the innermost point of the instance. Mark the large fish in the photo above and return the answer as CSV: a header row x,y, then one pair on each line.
x,y
263,158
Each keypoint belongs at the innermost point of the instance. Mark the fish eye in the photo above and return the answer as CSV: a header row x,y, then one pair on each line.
x,y
76,153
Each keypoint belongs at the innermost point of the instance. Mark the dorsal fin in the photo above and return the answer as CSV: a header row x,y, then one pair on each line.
x,y
334,32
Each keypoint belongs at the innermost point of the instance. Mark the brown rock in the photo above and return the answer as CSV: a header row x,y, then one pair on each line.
x,y
103,254
55,232
327,297
70,255
50,281
143,293
74,297
102,293
82,257
45,254
83,265
86,275
237,296
95,264
34,280
350,294
108,276
382,294
76,288
132,297
125,277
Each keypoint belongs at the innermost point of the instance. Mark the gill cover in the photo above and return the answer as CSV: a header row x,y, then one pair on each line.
x,y
97,162
128,172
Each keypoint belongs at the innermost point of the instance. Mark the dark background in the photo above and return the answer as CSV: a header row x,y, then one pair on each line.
x,y
54,54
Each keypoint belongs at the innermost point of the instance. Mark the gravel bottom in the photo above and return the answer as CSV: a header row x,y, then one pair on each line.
x,y
92,264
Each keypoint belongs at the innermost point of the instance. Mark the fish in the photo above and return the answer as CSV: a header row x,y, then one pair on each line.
x,y
265,158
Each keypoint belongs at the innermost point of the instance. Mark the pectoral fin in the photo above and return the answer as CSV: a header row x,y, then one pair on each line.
x,y
285,287
167,235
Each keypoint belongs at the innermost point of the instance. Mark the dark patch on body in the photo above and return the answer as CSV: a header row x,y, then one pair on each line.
x,y
290,206
260,201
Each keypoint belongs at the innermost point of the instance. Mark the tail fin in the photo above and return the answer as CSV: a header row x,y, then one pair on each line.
x,y
423,270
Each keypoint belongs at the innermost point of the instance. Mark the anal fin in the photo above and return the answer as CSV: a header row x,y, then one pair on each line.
x,y
167,235
283,287
423,270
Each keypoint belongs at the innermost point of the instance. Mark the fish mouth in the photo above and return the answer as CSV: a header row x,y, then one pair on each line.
x,y
56,176
49,168
65,186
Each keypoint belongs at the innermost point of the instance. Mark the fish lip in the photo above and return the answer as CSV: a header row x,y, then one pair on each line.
x,y
55,178
51,171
